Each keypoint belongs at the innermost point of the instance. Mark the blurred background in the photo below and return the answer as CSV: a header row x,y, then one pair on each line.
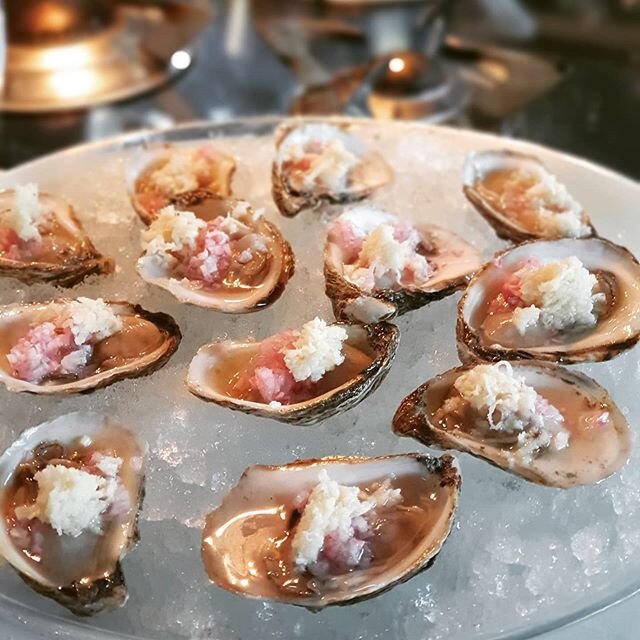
x,y
565,73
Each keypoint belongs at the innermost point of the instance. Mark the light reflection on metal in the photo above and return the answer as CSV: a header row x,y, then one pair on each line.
x,y
136,51
396,65
181,60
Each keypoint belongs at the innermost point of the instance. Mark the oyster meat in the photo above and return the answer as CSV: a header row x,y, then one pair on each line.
x,y
521,199
76,346
72,489
276,379
262,541
42,240
156,175
571,300
216,253
377,266
321,162
540,421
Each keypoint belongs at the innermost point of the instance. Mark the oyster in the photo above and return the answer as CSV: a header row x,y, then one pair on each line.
x,y
318,162
521,199
36,338
248,541
80,569
221,372
156,175
365,288
62,255
253,263
487,327
592,437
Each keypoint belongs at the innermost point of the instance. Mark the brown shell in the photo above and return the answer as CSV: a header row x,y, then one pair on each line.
x,y
390,304
290,202
195,200
469,344
383,339
163,321
75,268
89,596
444,466
504,228
352,304
145,156
412,420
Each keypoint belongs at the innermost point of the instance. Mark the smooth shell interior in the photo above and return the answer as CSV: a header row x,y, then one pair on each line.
x,y
139,345
596,448
616,266
88,557
482,177
216,368
245,539
235,297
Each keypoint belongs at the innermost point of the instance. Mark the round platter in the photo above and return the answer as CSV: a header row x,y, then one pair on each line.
x,y
522,559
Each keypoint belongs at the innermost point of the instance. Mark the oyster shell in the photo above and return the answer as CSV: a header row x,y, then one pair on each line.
x,y
248,286
370,173
617,327
452,259
596,448
369,352
246,540
66,255
145,344
148,198
485,175
81,573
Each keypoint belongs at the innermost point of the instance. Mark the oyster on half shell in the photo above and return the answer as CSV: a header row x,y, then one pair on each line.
x,y
450,260
144,344
599,438
484,334
249,284
215,371
521,199
64,256
80,572
247,540
155,175
323,162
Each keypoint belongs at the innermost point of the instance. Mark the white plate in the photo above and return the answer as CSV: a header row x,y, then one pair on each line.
x,y
522,559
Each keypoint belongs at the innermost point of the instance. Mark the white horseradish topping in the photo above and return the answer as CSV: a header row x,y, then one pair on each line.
x,y
510,405
332,509
171,231
558,294
383,259
71,500
560,214
330,163
90,320
180,172
317,350
23,216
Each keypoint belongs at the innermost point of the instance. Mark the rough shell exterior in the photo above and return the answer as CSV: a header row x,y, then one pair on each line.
x,y
383,339
76,268
411,420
